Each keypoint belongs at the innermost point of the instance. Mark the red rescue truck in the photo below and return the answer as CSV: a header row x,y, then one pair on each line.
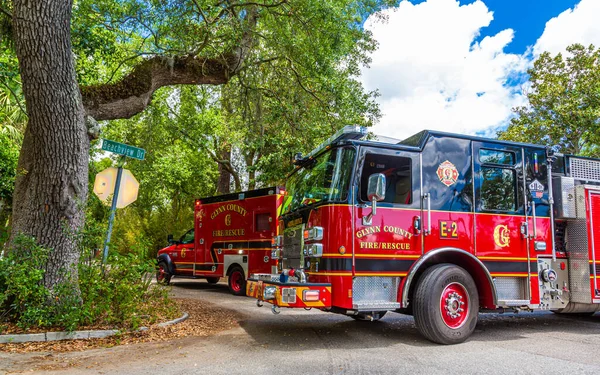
x,y
231,237
440,226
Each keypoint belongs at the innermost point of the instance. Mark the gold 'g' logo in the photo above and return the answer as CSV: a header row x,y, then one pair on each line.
x,y
501,236
228,219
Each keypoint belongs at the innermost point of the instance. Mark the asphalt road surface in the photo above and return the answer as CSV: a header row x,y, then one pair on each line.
x,y
312,342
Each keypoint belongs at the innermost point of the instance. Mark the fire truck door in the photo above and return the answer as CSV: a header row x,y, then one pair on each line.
x,y
388,242
500,217
184,262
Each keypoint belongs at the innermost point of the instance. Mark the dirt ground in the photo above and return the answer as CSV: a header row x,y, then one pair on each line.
x,y
205,319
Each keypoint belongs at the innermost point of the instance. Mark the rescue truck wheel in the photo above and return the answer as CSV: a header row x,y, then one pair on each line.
x,y
162,273
213,280
237,282
446,304
372,317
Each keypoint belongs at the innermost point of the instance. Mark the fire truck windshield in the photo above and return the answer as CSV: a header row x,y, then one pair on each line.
x,y
325,180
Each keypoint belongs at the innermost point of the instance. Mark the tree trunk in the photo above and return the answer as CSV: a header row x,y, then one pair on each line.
x,y
52,173
224,183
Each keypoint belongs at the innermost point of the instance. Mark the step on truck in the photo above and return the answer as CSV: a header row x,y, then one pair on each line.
x,y
232,236
439,226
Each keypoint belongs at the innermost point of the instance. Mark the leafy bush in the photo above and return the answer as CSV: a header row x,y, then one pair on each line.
x,y
117,295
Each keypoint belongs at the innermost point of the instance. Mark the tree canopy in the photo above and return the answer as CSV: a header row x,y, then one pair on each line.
x,y
288,75
563,108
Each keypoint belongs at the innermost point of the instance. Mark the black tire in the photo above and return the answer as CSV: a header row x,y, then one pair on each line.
x,y
212,280
237,281
366,317
162,273
439,300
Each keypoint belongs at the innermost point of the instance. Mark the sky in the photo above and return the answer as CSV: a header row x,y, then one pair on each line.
x,y
460,66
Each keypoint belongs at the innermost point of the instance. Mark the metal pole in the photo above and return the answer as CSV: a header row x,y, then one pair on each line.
x,y
113,208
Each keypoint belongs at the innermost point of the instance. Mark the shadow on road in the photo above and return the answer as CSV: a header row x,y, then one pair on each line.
x,y
296,330
297,333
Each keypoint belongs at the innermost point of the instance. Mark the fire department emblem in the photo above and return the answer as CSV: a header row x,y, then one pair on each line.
x,y
501,236
183,252
228,219
447,173
200,214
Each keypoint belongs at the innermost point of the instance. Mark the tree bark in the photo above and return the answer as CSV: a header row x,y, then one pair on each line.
x,y
52,173
224,183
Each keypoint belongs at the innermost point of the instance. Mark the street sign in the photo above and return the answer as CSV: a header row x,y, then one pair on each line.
x,y
123,149
104,187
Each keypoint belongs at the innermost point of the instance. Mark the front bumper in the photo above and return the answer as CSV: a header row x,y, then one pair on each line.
x,y
291,295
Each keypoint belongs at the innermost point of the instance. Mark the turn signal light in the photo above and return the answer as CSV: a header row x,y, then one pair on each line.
x,y
310,295
313,234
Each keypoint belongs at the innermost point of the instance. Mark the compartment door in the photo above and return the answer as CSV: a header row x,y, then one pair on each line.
x,y
593,223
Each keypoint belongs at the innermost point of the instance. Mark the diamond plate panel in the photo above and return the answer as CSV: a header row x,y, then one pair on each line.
x,y
585,169
580,202
375,289
511,288
564,192
579,258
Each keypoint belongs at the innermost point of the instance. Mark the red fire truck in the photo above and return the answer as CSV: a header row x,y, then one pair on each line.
x,y
440,226
231,237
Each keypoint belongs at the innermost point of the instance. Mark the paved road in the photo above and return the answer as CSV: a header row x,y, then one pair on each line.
x,y
313,342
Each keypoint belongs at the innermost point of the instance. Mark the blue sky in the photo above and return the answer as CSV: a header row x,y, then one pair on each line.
x,y
526,17
460,65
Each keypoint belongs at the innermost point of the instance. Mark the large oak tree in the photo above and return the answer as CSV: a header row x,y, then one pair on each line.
x,y
116,54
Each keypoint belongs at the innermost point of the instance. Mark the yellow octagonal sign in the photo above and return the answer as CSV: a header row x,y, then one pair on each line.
x,y
104,187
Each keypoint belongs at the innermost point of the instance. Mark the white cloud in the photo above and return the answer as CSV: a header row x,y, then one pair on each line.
x,y
432,75
578,25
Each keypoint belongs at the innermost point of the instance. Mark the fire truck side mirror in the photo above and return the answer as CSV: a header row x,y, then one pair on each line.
x,y
376,187
375,193
170,239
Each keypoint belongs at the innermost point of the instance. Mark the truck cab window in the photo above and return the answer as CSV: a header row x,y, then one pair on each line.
x,y
188,237
498,189
398,179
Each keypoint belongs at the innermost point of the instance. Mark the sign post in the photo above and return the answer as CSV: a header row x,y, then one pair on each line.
x,y
125,151
113,208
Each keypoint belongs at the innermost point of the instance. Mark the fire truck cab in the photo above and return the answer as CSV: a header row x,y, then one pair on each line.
x,y
439,226
231,237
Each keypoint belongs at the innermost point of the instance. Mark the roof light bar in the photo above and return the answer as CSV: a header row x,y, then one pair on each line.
x,y
345,133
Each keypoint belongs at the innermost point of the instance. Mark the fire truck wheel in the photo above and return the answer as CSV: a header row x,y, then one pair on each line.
x,y
213,280
373,317
237,282
446,304
162,273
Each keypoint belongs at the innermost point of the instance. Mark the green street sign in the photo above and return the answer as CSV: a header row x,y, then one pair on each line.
x,y
123,149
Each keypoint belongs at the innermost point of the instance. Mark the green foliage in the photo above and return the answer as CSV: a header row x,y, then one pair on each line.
x,y
9,155
564,103
117,295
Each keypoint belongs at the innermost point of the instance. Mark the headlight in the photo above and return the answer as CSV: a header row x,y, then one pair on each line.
x,y
275,253
314,250
269,292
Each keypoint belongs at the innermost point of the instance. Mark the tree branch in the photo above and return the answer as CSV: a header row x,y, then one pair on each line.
x,y
133,93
